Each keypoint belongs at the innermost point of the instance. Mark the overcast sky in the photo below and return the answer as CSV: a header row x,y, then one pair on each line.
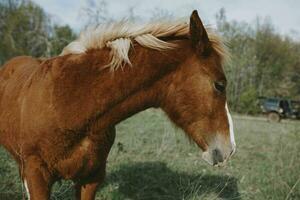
x,y
285,14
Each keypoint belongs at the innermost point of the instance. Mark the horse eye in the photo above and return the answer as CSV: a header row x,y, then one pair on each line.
x,y
219,86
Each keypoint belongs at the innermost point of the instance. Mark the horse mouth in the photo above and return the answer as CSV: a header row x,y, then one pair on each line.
x,y
216,157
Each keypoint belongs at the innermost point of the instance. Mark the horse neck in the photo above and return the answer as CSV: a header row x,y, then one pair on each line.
x,y
136,88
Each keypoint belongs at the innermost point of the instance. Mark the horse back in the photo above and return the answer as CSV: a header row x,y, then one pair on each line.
x,y
14,73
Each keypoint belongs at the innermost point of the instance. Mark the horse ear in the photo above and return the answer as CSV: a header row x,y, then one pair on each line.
x,y
199,35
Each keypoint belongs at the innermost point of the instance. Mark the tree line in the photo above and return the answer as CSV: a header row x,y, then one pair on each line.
x,y
263,62
25,29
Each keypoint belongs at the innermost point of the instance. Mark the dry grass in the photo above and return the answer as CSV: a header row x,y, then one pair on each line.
x,y
153,160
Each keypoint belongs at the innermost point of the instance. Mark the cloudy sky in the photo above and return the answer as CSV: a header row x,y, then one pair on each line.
x,y
285,14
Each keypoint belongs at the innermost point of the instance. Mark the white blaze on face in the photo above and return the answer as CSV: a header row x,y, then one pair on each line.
x,y
219,149
230,129
27,190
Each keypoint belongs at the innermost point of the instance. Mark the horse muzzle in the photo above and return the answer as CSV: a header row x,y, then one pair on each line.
x,y
218,155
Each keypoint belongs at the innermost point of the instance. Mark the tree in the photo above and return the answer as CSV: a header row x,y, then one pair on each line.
x,y
62,36
264,63
95,12
25,29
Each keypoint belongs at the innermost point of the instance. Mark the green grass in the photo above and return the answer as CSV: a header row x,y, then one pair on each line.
x,y
151,159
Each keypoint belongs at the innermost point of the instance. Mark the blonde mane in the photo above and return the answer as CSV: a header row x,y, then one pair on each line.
x,y
119,36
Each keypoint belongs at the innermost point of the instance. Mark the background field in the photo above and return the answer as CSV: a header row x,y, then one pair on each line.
x,y
151,159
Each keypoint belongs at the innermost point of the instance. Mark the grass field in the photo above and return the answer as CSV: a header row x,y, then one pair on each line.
x,y
151,159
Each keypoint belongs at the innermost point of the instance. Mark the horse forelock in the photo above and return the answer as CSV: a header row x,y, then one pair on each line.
x,y
119,36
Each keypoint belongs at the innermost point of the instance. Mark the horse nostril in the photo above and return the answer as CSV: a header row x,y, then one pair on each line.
x,y
217,156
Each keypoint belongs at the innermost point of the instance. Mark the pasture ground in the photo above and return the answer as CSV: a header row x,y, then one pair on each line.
x,y
153,160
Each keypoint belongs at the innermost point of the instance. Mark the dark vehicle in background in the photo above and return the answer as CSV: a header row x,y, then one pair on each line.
x,y
279,108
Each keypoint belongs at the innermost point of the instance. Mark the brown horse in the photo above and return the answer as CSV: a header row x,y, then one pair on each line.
x,y
58,115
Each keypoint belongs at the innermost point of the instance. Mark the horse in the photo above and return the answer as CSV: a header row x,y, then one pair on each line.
x,y
58,115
